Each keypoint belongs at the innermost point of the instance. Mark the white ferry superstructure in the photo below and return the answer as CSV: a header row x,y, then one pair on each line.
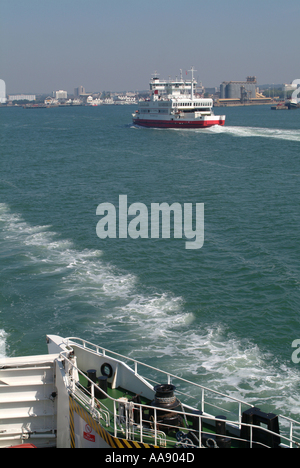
x,y
174,104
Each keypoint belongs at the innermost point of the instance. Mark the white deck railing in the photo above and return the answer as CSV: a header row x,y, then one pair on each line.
x,y
288,423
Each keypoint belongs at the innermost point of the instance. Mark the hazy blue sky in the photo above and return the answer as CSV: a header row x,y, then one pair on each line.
x,y
112,45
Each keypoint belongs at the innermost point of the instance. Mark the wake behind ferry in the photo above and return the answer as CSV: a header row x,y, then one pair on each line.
x,y
81,395
174,104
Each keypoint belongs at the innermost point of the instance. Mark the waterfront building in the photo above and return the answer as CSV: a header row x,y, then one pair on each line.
x,y
243,90
60,94
2,92
21,97
78,91
49,101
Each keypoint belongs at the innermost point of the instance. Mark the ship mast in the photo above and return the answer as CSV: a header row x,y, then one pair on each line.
x,y
192,86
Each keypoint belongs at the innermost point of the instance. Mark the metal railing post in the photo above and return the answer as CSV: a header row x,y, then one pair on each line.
x,y
202,401
291,434
141,424
115,419
155,426
93,396
200,431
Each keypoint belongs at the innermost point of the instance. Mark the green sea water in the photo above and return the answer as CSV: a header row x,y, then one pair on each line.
x,y
225,315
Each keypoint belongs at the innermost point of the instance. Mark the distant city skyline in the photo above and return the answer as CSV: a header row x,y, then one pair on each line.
x,y
117,45
65,94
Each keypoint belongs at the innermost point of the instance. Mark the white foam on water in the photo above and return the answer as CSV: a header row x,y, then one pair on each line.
x,y
150,324
42,249
281,134
237,131
159,327
240,368
3,336
152,318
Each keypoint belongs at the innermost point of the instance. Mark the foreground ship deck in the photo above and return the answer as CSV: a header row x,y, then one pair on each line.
x,y
83,396
174,104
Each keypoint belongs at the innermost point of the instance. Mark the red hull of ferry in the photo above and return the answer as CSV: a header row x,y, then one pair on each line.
x,y
178,123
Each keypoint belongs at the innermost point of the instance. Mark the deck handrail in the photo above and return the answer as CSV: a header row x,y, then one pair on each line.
x,y
92,409
136,363
96,348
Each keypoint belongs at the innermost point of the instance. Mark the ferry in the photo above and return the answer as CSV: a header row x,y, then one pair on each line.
x,y
174,104
81,395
